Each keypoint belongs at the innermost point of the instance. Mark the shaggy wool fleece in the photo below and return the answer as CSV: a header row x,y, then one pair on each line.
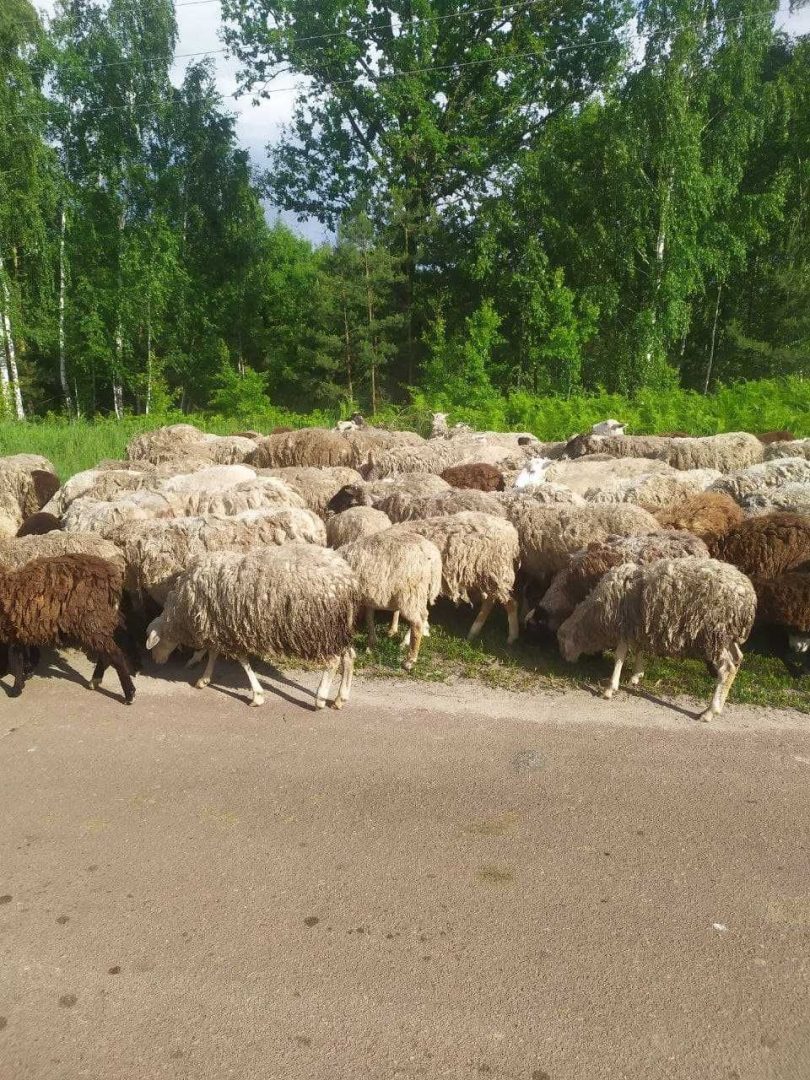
x,y
353,524
766,546
691,607
21,550
706,514
295,600
785,601
396,571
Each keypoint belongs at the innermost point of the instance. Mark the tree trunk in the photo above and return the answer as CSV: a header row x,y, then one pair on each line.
x,y
117,389
714,338
372,342
11,352
62,287
5,385
347,340
148,356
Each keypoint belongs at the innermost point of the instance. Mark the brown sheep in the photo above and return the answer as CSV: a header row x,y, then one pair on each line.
x,y
766,546
705,513
784,601
478,475
39,524
769,437
72,600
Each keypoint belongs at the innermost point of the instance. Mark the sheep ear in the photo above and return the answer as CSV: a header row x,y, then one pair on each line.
x,y
153,639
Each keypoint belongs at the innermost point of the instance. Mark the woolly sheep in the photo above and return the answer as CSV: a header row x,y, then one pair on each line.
x,y
454,501
157,551
320,446
765,546
585,474
570,586
25,490
72,600
654,490
353,524
180,441
795,449
706,514
763,477
39,524
217,478
262,492
784,602
546,494
27,463
400,572
533,474
18,551
92,515
690,607
729,452
437,455
295,600
769,438
794,498
549,535
477,475
608,427
438,426
316,486
394,492
479,560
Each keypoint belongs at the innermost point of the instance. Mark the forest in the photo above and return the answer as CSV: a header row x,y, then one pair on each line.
x,y
532,200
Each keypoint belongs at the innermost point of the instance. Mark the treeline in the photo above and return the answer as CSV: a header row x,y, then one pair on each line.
x,y
524,201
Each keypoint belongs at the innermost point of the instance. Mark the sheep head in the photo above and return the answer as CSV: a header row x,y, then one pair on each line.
x,y
157,643
350,495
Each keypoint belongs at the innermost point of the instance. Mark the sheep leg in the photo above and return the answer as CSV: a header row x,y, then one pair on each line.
x,y
481,618
638,669
726,674
116,658
621,656
31,660
16,665
205,678
371,629
346,678
196,658
511,606
257,697
393,629
326,682
413,647
98,675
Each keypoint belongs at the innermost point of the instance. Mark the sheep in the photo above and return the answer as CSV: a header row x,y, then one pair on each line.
x,y
479,559
214,479
608,427
570,586
396,492
688,607
727,453
533,474
795,498
320,446
763,477
437,455
477,475
17,551
180,441
784,602
794,449
39,524
72,600
28,490
157,551
27,463
546,494
706,514
438,425
400,572
295,600
263,492
549,535
586,474
654,490
454,501
92,515
768,438
765,546
353,524
316,486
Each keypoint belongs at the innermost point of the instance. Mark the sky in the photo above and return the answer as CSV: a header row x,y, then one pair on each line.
x,y
199,25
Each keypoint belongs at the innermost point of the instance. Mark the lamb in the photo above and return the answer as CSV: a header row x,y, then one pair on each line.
x,y
784,602
727,453
316,486
763,477
157,551
570,586
72,600
479,559
400,572
766,546
39,524
354,524
477,475
690,607
549,536
438,426
706,514
295,600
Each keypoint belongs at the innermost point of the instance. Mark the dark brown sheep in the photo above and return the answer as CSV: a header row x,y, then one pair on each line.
x,y
768,437
349,495
46,486
39,524
476,475
766,546
784,601
707,514
72,600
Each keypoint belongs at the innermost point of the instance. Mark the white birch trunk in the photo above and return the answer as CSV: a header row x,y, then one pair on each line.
x,y
5,385
11,351
117,389
62,288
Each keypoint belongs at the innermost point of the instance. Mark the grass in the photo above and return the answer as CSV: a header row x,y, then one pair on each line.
x,y
769,676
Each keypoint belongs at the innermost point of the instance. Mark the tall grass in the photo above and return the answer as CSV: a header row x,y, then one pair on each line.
x,y
752,406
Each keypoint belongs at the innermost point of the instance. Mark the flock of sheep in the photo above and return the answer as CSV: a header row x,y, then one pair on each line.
x,y
258,546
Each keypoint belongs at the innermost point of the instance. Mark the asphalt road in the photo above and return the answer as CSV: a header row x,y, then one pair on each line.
x,y
436,882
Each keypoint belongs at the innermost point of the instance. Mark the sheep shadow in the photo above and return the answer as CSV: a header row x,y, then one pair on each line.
x,y
228,677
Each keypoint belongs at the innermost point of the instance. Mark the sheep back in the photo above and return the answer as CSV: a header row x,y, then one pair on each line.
x,y
784,601
21,550
765,546
478,475
396,571
353,524
706,514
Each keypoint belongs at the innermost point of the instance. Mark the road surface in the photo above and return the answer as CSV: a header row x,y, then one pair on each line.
x,y
437,882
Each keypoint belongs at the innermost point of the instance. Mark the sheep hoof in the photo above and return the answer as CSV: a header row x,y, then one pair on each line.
x,y
201,683
511,640
337,703
706,716
257,699
320,703
608,693
15,691
368,650
391,633
129,699
635,680
95,684
408,665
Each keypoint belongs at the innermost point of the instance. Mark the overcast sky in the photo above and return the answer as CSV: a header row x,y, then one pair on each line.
x,y
199,27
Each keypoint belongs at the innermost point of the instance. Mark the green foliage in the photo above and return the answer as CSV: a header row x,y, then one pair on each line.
x,y
241,394
456,374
